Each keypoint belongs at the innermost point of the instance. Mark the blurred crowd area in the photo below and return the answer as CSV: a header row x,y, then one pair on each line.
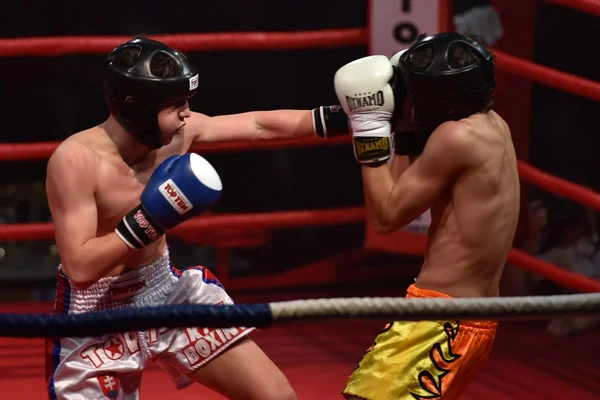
x,y
566,235
54,97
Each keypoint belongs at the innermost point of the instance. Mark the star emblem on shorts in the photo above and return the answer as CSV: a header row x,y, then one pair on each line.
x,y
113,348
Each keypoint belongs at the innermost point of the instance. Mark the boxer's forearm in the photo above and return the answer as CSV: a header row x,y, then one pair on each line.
x,y
395,204
253,125
95,259
377,185
284,124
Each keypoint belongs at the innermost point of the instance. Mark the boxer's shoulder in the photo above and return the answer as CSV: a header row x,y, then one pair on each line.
x,y
485,132
459,143
74,154
70,170
90,146
451,135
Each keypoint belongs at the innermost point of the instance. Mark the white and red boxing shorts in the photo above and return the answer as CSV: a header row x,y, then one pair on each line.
x,y
110,366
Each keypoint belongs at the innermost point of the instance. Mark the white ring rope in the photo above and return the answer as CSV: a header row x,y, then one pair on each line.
x,y
414,309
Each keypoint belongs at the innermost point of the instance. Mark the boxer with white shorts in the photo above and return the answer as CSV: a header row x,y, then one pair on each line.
x,y
114,191
111,365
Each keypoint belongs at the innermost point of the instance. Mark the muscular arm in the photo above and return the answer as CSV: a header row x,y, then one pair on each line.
x,y
70,185
251,125
398,166
393,204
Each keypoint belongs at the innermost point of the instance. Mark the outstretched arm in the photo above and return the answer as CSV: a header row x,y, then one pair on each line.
x,y
323,122
258,125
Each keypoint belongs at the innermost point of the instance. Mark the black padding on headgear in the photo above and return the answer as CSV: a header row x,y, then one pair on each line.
x,y
135,95
440,92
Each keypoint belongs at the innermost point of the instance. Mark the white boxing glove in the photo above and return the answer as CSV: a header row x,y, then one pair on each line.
x,y
364,90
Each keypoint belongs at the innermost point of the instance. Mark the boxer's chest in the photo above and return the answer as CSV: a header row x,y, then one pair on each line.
x,y
119,190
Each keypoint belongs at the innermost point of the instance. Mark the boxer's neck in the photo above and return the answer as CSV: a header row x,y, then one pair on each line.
x,y
128,148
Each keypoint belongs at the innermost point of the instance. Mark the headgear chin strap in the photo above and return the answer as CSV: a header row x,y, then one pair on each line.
x,y
441,92
135,94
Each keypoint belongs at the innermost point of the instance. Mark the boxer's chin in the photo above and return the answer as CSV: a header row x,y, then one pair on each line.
x,y
168,138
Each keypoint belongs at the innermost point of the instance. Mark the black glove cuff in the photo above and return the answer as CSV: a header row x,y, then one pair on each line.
x,y
330,121
137,229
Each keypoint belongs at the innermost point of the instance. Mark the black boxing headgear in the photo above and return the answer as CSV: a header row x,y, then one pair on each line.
x,y
135,94
441,90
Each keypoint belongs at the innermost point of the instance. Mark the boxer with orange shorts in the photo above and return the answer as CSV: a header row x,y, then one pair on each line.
x,y
437,97
423,359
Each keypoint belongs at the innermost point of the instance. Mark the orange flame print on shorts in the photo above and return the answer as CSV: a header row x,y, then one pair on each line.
x,y
442,357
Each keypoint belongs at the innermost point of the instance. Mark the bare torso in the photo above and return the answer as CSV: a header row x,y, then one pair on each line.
x,y
473,224
119,186
96,176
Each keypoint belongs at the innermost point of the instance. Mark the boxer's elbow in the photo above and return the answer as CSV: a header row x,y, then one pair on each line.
x,y
389,219
78,273
262,128
79,279
383,222
81,284
383,227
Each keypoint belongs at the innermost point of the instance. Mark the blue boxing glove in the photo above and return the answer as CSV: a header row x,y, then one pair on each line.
x,y
181,187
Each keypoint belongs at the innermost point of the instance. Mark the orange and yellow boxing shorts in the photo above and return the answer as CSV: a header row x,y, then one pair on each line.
x,y
422,359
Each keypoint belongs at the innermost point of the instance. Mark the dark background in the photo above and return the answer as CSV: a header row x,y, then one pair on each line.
x,y
48,99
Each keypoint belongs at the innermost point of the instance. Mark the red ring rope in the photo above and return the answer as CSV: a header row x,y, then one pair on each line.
x,y
558,186
294,219
43,150
60,45
552,184
52,46
587,6
210,222
548,76
565,278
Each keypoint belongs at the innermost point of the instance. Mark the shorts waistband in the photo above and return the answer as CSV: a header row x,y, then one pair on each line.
x,y
143,286
415,292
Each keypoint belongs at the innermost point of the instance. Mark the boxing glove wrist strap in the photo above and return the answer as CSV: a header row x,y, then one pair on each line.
x,y
330,121
372,151
137,229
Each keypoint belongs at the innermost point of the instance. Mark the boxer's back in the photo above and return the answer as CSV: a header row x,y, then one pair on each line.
x,y
473,225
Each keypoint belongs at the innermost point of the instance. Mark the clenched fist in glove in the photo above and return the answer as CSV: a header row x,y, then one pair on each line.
x,y
181,187
365,89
